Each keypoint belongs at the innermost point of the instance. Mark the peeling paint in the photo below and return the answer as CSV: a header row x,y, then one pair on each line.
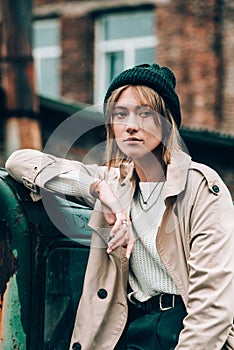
x,y
12,332
8,262
14,266
8,266
26,238
18,216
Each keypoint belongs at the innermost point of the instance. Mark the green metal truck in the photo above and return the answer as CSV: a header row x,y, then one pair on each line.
x,y
41,269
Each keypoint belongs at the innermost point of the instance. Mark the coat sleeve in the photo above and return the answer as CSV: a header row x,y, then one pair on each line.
x,y
35,169
211,268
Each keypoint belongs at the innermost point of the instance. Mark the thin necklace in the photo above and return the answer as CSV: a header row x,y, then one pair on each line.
x,y
141,200
145,201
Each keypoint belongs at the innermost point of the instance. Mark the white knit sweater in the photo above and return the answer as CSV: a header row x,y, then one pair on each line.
x,y
148,275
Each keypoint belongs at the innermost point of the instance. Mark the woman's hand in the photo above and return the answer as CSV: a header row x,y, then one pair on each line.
x,y
122,236
116,216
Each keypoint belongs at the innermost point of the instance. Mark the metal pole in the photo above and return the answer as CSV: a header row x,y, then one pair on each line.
x,y
22,129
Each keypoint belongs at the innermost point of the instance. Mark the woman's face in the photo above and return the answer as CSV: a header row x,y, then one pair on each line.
x,y
136,128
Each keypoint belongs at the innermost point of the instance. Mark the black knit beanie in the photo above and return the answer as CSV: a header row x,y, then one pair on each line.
x,y
160,79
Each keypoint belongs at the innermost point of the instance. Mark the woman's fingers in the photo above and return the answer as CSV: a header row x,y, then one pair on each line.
x,y
120,225
122,235
129,248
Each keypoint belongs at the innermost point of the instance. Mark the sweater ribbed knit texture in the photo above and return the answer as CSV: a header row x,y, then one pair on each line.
x,y
148,275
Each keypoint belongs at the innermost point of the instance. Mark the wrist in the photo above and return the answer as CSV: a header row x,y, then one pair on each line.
x,y
95,188
101,190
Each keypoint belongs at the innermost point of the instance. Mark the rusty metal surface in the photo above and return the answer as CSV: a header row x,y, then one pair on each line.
x,y
12,220
28,240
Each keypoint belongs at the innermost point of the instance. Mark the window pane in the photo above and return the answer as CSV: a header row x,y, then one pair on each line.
x,y
115,64
65,269
128,25
146,55
49,82
46,35
47,52
122,40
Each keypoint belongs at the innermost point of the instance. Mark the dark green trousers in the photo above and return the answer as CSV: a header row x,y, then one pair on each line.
x,y
157,330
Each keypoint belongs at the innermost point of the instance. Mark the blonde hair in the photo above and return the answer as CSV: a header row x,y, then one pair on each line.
x,y
143,94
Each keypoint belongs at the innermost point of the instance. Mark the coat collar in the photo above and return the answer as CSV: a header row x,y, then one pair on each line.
x,y
176,173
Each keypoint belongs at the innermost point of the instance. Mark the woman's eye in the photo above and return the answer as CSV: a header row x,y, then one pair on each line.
x,y
146,114
119,114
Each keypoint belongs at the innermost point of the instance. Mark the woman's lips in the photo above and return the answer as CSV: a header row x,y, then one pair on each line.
x,y
133,140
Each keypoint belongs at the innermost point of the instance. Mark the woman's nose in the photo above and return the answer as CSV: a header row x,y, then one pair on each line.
x,y
132,122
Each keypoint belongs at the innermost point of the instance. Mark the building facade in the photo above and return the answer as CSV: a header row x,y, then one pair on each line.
x,y
80,45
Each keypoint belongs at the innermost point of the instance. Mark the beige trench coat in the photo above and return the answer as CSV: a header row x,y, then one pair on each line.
x,y
195,242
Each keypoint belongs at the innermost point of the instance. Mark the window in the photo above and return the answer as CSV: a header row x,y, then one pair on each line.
x,y
47,52
122,41
65,270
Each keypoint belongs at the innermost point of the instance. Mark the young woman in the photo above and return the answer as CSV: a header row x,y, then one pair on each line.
x,y
161,264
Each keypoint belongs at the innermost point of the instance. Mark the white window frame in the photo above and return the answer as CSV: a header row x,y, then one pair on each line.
x,y
53,51
102,47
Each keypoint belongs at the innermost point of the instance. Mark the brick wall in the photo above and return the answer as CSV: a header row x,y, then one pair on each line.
x,y
77,58
188,38
228,70
196,39
46,2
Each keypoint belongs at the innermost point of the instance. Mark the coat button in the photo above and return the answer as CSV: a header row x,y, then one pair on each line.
x,y
102,293
76,346
215,188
